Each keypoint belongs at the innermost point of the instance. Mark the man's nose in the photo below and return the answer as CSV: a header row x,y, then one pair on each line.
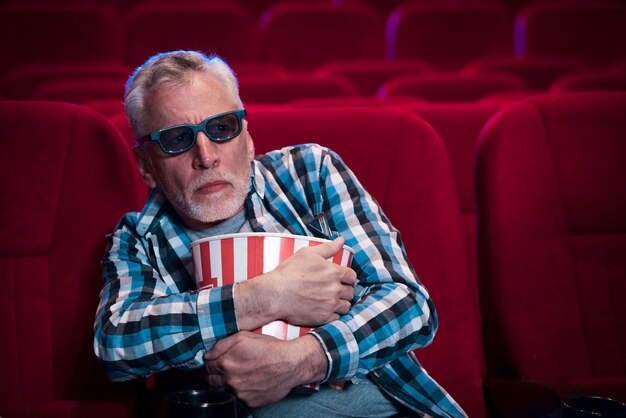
x,y
206,152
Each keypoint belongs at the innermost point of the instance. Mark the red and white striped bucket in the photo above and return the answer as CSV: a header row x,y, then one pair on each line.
x,y
227,259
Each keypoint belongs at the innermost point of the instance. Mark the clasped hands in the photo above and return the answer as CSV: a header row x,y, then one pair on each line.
x,y
305,289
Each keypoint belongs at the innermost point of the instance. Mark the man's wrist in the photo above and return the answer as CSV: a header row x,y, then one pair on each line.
x,y
311,361
254,304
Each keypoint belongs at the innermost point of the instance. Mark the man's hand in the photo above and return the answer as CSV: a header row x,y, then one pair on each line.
x,y
311,290
262,369
305,289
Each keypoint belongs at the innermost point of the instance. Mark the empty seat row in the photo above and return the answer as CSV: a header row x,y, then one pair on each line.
x,y
302,36
106,90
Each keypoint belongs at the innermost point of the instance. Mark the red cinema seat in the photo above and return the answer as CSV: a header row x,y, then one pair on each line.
x,y
52,33
448,34
451,87
369,75
65,185
599,80
618,67
106,107
301,36
538,72
255,68
402,162
21,82
80,90
277,90
593,31
224,28
120,122
459,126
355,101
552,249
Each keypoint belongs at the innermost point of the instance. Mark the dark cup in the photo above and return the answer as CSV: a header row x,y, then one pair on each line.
x,y
200,404
592,407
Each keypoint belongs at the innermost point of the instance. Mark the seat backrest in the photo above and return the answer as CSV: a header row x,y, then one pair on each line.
x,y
599,80
369,75
593,31
450,87
459,126
552,237
21,82
224,28
80,90
448,34
52,33
402,162
304,35
538,72
281,89
65,185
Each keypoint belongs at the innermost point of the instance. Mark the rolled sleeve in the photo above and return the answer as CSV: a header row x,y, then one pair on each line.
x,y
216,314
341,349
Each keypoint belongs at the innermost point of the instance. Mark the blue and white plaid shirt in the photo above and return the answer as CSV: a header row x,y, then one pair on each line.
x,y
151,317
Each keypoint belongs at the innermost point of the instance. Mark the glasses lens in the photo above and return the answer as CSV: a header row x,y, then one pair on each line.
x,y
176,139
223,128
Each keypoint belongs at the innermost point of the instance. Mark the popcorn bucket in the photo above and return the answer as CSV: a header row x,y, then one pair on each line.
x,y
227,259
232,258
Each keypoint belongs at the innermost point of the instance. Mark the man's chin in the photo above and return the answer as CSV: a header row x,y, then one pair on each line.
x,y
214,211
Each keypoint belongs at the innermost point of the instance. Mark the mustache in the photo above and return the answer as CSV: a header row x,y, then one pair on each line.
x,y
209,176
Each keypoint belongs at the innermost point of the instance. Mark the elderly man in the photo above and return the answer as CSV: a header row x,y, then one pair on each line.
x,y
195,152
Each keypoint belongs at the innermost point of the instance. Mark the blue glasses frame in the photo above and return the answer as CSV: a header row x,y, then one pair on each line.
x,y
183,137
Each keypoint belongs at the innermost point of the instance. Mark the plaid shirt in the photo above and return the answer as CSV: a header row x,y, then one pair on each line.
x,y
151,318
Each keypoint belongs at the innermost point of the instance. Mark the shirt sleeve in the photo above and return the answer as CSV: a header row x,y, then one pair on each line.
x,y
393,313
144,324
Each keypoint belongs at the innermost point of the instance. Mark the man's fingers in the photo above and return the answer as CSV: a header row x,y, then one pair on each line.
x,y
349,277
216,381
220,348
344,307
328,249
347,293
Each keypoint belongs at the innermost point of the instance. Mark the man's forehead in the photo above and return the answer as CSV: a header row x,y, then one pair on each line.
x,y
203,95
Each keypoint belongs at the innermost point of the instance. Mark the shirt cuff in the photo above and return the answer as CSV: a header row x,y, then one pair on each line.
x,y
216,314
341,349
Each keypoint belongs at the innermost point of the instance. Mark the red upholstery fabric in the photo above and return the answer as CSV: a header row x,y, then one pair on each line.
x,y
538,72
303,35
44,33
590,81
552,241
400,159
255,68
450,87
459,126
274,89
369,75
106,107
24,80
592,31
120,122
221,27
65,184
355,101
448,34
80,90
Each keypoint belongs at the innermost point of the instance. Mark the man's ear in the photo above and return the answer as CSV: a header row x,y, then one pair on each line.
x,y
146,171
250,142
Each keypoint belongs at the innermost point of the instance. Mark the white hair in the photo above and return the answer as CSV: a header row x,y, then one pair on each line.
x,y
172,69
